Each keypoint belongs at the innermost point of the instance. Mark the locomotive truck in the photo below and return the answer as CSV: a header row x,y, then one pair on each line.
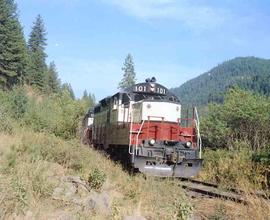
x,y
142,124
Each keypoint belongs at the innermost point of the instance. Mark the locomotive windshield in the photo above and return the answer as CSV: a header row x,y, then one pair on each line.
x,y
140,97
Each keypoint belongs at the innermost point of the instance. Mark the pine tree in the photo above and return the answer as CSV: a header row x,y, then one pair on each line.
x,y
36,47
92,99
13,51
88,98
68,88
85,94
129,76
53,83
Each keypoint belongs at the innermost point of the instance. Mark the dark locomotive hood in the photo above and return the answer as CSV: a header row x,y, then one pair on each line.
x,y
151,89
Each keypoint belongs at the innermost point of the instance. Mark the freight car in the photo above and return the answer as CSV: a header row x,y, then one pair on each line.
x,y
142,124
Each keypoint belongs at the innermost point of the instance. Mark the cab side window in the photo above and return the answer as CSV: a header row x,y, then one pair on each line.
x,y
115,103
125,99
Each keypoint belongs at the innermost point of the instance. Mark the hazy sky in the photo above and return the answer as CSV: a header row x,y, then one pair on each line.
x,y
174,40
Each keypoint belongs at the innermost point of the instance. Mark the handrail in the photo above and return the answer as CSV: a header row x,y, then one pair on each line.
x,y
130,134
155,117
137,138
199,139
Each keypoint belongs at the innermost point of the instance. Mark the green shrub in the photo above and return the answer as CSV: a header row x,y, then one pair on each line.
x,y
244,116
57,114
233,168
18,102
96,179
262,156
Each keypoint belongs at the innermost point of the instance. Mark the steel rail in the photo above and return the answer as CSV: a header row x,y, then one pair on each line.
x,y
213,190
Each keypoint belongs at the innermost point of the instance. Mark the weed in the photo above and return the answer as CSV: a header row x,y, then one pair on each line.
x,y
115,211
184,209
20,191
96,179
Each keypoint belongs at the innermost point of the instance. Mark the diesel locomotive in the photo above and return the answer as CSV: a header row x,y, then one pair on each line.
x,y
143,125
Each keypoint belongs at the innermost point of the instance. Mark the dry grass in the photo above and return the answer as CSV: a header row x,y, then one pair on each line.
x,y
234,169
31,164
214,209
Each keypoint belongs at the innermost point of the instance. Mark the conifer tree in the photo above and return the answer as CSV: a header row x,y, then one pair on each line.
x,y
67,87
129,76
13,51
85,94
36,47
92,99
88,98
53,83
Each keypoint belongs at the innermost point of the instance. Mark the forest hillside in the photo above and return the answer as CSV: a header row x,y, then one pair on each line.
x,y
249,73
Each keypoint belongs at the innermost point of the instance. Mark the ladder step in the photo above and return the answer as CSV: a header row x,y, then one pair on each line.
x,y
136,132
187,135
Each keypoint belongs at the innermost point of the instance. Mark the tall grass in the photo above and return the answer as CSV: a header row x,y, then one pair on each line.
x,y
30,171
234,168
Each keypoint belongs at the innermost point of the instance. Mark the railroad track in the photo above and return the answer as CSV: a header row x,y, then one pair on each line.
x,y
213,191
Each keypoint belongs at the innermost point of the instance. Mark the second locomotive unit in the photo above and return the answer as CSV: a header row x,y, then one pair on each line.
x,y
143,125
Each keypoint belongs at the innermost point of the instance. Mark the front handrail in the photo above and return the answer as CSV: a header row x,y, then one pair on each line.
x,y
130,135
199,139
137,137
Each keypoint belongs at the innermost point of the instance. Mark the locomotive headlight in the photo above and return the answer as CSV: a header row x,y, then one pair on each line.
x,y
188,144
152,142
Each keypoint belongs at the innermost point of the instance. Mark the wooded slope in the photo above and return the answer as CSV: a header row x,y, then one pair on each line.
x,y
245,72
